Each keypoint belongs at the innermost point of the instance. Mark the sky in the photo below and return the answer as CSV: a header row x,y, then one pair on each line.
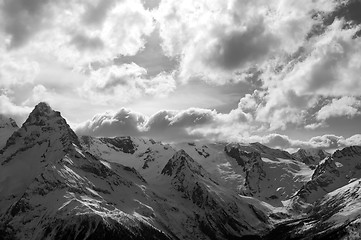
x,y
285,73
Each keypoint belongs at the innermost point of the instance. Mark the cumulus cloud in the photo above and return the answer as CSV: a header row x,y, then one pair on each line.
x,y
168,125
215,39
197,124
76,32
128,81
123,122
9,108
331,67
345,106
326,67
327,142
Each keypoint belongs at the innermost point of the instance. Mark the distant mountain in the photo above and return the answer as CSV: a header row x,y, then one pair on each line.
x,y
311,157
271,175
7,127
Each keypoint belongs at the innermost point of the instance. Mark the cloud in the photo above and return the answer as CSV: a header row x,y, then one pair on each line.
x,y
331,67
76,32
168,125
214,40
197,124
96,11
22,19
344,106
16,71
123,122
327,142
8,108
128,81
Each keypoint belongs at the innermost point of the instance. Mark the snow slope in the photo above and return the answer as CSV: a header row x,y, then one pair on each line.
x,y
145,155
271,175
7,127
337,215
343,167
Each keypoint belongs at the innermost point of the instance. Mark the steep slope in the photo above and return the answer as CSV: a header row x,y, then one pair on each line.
x,y
337,215
145,155
311,157
51,189
7,127
343,167
207,210
271,175
214,159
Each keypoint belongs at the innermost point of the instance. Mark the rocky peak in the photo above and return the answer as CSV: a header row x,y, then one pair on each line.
x,y
352,151
43,125
181,161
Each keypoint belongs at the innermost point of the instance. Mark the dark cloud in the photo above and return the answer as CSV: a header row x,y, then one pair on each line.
x,y
348,10
237,48
96,13
23,18
83,42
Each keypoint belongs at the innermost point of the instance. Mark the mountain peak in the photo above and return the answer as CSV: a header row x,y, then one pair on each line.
x,y
43,106
40,114
44,125
181,163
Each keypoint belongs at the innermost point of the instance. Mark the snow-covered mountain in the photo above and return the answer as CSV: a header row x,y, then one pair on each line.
x,y
271,175
7,127
343,167
54,185
337,215
311,157
52,188
145,155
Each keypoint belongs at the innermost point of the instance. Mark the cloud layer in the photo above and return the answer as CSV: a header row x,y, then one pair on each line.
x,y
298,62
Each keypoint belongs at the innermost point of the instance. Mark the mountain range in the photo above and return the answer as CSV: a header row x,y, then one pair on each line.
x,y
57,185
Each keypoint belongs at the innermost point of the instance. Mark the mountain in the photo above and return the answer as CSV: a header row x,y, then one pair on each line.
x,y
271,175
343,167
55,185
311,157
145,155
219,212
335,216
7,127
274,176
51,189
